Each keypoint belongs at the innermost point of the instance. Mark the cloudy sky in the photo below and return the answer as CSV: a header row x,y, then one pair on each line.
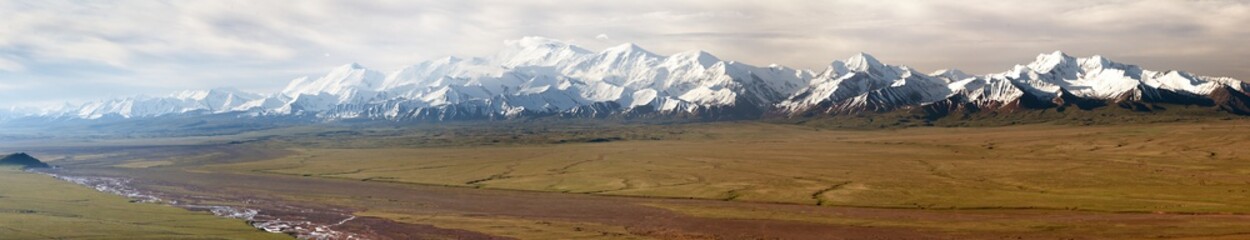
x,y
57,51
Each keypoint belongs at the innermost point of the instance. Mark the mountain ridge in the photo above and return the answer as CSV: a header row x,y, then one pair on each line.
x,y
536,76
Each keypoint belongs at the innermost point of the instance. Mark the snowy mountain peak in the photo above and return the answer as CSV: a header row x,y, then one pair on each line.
x,y
204,94
626,54
1048,62
347,70
540,51
1099,62
447,60
951,75
293,86
704,59
533,42
626,48
341,80
862,62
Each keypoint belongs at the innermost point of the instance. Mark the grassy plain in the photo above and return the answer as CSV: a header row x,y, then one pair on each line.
x,y
1178,168
1037,181
518,228
34,206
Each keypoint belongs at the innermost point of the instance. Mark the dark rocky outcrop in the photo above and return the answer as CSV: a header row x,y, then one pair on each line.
x,y
23,160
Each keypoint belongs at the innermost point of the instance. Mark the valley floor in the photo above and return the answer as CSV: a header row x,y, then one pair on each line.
x,y
720,180
36,206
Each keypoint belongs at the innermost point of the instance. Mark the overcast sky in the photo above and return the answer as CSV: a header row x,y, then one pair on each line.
x,y
57,51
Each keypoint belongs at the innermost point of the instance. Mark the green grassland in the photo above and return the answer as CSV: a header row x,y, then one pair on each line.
x,y
1187,167
34,206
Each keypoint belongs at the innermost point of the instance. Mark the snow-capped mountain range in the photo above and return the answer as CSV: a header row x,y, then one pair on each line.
x,y
536,76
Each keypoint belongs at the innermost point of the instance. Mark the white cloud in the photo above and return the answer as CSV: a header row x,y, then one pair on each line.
x,y
11,65
155,46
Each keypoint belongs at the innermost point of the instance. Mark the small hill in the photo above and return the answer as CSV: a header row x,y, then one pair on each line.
x,y
22,159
